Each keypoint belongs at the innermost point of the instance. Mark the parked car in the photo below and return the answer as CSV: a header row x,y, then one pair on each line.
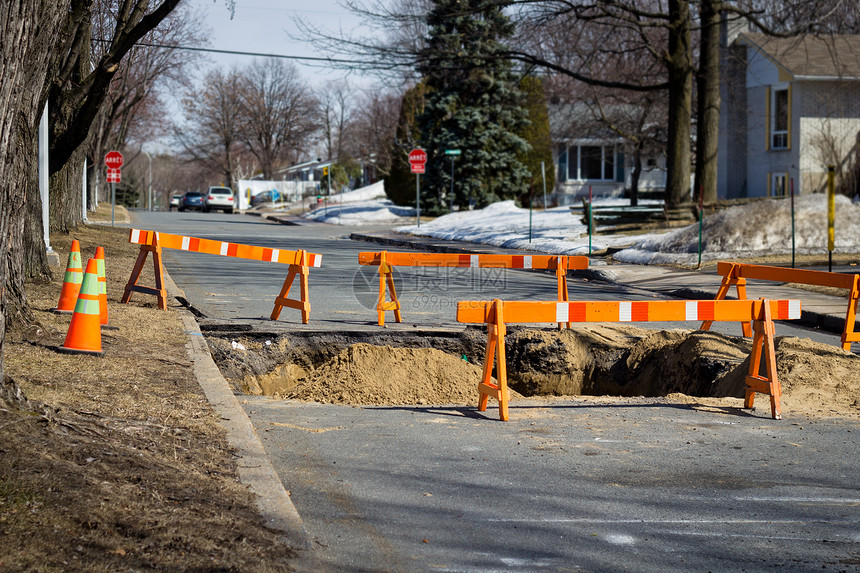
x,y
269,196
219,198
174,202
191,200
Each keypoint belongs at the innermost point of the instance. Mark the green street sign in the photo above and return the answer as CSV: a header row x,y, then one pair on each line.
x,y
452,152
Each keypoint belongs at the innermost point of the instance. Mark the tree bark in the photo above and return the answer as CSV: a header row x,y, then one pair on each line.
x,y
28,30
66,211
708,104
680,71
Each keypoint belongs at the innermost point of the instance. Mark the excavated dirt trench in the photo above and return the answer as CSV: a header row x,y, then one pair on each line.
x,y
444,368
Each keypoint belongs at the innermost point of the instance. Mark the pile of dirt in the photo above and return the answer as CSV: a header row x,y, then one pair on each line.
x,y
267,365
598,360
817,379
367,374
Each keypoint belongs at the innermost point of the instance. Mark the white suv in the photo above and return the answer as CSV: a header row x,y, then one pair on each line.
x,y
218,198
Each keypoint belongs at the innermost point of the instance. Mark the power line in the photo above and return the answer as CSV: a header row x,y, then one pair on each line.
x,y
239,53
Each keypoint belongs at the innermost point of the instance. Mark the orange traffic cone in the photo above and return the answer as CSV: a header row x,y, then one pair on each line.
x,y
72,281
85,335
100,264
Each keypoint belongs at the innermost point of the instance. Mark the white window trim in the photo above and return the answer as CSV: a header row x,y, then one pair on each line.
x,y
774,179
774,133
574,148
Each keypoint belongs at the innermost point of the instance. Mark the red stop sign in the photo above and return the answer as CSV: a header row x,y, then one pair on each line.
x,y
113,159
417,157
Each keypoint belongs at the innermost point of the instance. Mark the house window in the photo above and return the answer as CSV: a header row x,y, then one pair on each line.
x,y
780,118
779,184
589,162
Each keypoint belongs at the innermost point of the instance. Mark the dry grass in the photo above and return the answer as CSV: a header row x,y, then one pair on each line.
x,y
118,463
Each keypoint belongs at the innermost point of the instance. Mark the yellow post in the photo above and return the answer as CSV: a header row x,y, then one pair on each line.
x,y
831,213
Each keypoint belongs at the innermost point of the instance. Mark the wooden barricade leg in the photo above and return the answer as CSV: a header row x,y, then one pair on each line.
x,y
386,280
848,334
495,354
763,343
158,269
304,303
740,283
561,275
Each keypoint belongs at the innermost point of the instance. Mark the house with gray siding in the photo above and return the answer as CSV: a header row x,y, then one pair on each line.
x,y
591,158
790,108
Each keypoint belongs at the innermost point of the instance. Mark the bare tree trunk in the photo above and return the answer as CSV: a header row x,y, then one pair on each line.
x,y
708,108
679,65
66,210
28,30
29,256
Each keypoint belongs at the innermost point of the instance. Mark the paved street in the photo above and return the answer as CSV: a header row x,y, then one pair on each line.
x,y
567,485
636,485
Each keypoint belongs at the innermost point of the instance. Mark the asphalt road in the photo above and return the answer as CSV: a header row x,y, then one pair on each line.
x,y
576,485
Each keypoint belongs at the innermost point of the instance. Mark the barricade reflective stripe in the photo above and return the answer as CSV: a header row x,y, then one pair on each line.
x,y
628,311
537,262
794,309
226,249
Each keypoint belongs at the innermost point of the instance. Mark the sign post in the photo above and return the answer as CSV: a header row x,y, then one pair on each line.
x,y
452,153
417,161
113,161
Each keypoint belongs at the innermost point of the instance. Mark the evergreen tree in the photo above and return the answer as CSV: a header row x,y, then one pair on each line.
x,y
400,183
472,104
537,135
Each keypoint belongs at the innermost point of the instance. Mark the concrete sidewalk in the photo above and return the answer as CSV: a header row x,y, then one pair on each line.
x,y
819,310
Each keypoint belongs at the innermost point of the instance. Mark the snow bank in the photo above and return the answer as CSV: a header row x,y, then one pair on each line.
x,y
757,229
360,212
557,231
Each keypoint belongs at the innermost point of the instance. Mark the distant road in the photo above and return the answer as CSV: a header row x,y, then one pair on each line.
x,y
343,294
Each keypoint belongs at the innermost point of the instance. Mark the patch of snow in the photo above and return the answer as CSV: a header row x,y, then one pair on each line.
x,y
756,229
360,212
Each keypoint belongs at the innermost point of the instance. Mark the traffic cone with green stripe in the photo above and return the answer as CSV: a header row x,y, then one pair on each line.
x,y
103,307
84,335
71,281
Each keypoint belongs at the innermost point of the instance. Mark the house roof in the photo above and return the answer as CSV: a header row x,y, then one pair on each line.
x,y
581,121
810,57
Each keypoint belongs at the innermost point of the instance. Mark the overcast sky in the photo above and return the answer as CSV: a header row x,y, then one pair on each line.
x,y
268,26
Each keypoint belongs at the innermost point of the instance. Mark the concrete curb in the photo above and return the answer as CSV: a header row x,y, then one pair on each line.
x,y
283,219
255,468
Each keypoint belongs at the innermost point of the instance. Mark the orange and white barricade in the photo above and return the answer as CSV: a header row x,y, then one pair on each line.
x,y
495,314
386,260
153,242
735,274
